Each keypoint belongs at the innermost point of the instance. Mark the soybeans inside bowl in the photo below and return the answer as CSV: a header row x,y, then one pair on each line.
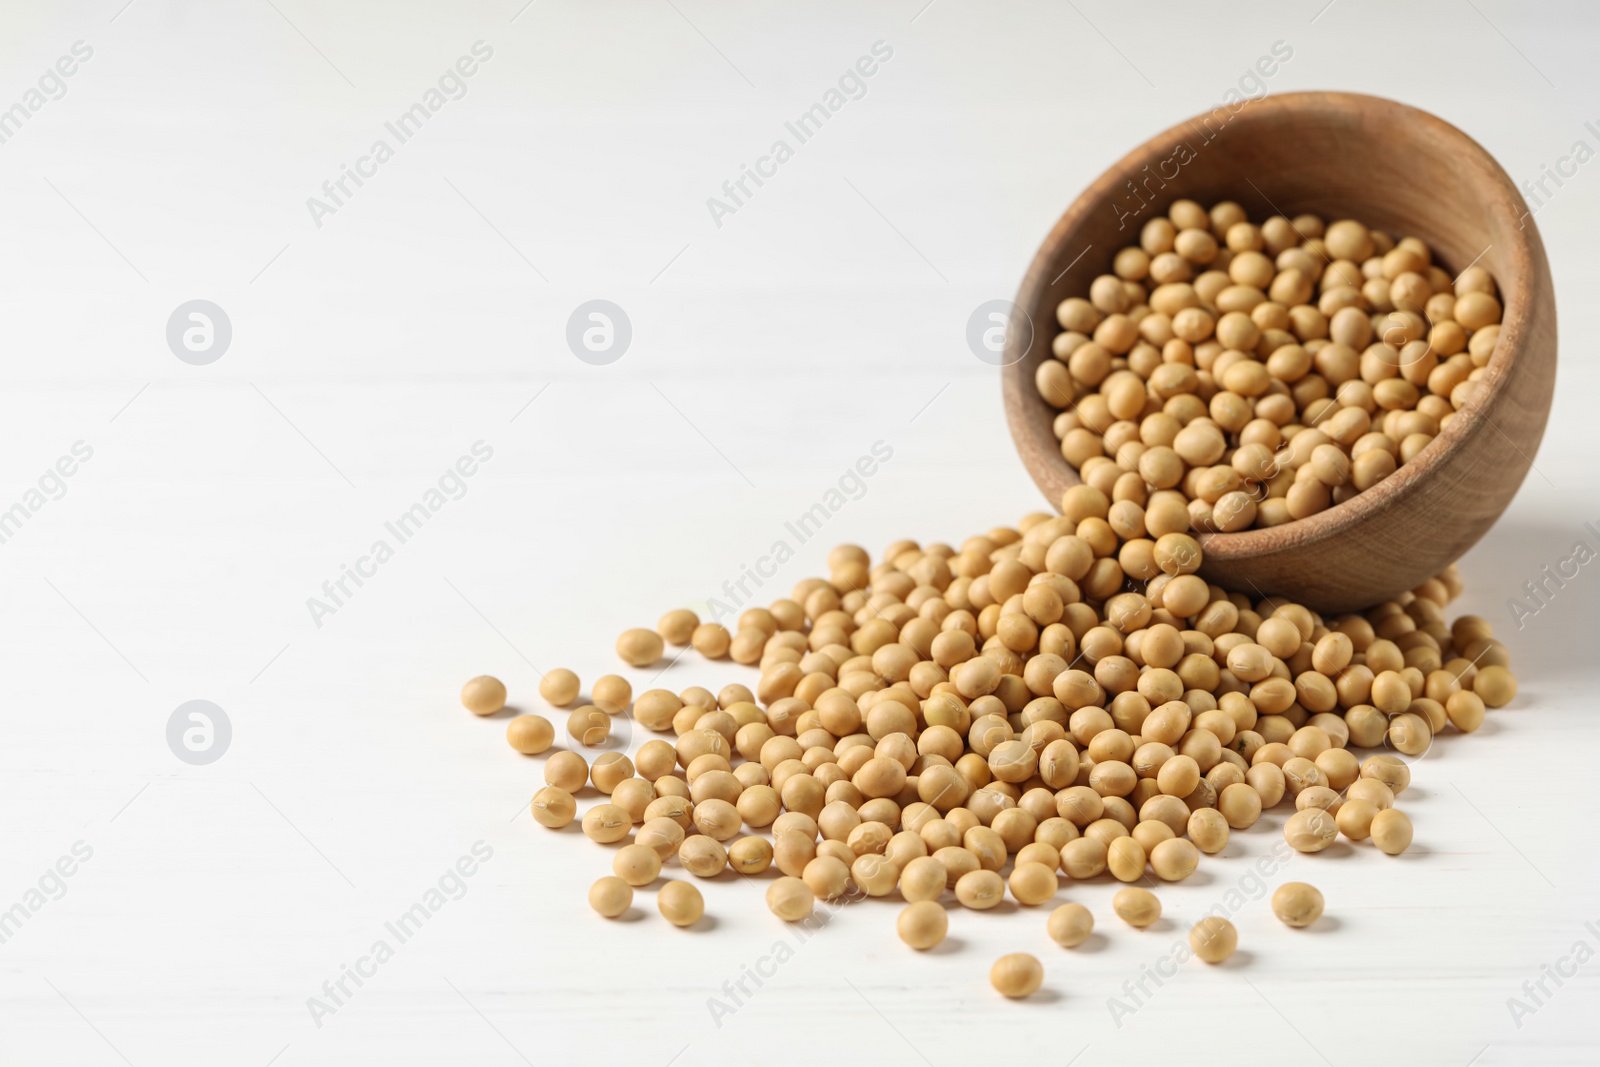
x,y
1388,168
1228,374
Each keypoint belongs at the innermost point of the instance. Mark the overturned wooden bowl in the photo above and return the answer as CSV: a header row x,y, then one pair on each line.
x,y
1338,155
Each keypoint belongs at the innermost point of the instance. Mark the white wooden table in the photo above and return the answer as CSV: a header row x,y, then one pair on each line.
x,y
211,908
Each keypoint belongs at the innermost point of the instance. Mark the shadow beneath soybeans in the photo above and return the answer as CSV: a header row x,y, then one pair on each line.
x,y
1413,853
1095,942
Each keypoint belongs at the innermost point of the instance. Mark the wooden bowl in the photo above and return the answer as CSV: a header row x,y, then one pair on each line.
x,y
1338,155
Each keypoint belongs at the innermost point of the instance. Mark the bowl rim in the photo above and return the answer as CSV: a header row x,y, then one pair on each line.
x,y
1030,417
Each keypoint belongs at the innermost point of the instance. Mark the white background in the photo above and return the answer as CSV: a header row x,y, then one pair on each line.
x,y
828,313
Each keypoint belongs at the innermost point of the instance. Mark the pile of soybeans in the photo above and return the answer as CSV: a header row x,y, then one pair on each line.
x,y
1021,711
1068,699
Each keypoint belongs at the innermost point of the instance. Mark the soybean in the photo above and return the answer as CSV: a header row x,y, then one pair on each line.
x,y
636,864
553,807
1017,975
680,903
1310,830
790,899
1297,904
1213,939
922,924
610,896
559,687
1136,907
1391,831
483,695
530,734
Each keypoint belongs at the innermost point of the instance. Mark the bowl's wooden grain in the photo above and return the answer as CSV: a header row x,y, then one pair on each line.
x,y
1339,155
